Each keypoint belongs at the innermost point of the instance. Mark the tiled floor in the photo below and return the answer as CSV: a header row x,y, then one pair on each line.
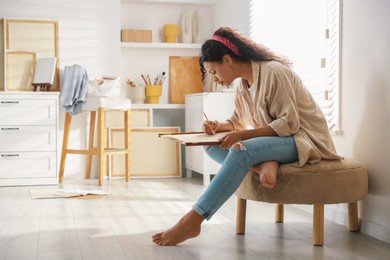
x,y
120,226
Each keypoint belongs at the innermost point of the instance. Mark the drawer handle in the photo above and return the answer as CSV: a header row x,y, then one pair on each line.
x,y
9,155
9,128
9,102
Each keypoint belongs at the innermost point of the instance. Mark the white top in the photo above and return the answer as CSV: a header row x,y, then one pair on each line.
x,y
93,104
252,91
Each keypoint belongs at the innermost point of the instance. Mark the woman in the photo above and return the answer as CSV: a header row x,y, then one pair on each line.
x,y
275,120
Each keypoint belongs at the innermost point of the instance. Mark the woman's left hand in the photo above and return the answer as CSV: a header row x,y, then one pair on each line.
x,y
230,139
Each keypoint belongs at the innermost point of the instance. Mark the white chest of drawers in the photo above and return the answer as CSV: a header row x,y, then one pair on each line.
x,y
28,138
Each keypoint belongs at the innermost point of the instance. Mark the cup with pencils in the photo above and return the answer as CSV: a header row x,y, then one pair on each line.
x,y
153,89
137,93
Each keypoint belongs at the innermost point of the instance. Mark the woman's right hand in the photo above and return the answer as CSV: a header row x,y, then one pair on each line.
x,y
210,127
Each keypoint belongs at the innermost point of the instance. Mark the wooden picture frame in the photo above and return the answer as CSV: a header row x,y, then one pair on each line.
x,y
140,117
151,156
38,36
20,70
184,78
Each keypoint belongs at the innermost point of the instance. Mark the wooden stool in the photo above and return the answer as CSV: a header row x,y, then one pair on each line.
x,y
99,105
326,182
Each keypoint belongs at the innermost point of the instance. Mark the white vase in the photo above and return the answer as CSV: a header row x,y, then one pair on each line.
x,y
186,27
137,95
196,28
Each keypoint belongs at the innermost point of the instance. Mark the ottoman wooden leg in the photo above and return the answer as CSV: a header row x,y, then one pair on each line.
x,y
318,224
240,217
279,213
353,220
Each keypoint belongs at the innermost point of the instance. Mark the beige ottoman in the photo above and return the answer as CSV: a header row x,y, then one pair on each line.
x,y
326,182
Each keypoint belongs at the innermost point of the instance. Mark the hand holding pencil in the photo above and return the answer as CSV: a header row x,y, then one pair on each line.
x,y
209,127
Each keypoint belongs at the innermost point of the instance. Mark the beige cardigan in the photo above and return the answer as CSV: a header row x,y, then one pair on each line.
x,y
284,103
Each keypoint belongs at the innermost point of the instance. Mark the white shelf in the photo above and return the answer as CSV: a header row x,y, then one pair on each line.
x,y
158,106
192,2
161,45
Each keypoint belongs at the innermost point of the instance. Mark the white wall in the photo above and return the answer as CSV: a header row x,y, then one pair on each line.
x,y
232,13
366,104
88,36
365,80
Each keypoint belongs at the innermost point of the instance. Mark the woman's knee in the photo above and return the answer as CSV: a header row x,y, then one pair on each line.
x,y
238,153
216,153
240,145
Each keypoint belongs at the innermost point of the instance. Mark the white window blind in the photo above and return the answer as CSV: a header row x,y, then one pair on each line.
x,y
306,31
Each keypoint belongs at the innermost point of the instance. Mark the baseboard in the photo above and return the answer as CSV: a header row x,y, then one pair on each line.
x,y
336,213
375,230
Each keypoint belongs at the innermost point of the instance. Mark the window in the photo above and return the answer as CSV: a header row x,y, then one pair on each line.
x,y
306,31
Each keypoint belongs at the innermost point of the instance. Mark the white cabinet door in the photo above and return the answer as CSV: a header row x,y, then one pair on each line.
x,y
28,138
27,165
195,158
16,111
217,106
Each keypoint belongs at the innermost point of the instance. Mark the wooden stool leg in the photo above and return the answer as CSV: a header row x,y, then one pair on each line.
x,y
101,144
353,220
279,213
65,141
240,216
90,144
127,141
318,224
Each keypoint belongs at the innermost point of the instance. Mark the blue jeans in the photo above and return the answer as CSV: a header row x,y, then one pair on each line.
x,y
235,165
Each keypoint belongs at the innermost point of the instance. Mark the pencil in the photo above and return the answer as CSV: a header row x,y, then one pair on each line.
x,y
208,123
205,116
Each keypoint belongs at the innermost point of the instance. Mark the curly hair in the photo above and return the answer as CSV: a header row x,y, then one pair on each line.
x,y
213,51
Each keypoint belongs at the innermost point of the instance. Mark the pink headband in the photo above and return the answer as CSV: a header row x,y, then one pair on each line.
x,y
231,46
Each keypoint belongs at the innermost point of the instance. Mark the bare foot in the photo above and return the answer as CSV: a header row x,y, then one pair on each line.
x,y
187,227
267,172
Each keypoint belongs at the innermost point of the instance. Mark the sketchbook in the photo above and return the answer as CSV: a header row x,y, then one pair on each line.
x,y
195,138
66,193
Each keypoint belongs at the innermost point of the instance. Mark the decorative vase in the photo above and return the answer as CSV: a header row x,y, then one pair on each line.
x,y
153,93
186,27
137,95
196,28
171,31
